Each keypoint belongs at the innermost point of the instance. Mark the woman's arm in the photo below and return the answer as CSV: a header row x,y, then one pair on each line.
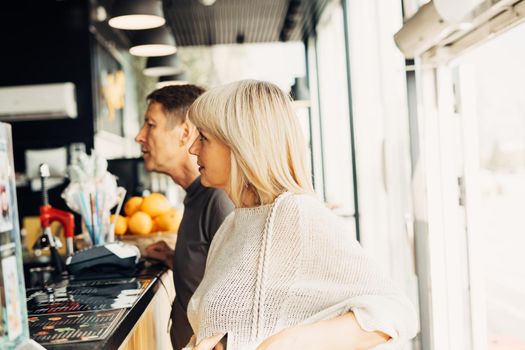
x,y
210,343
342,332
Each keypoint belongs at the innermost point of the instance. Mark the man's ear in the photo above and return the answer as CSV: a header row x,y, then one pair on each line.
x,y
187,134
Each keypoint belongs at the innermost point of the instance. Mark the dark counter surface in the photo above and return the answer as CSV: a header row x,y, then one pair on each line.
x,y
92,298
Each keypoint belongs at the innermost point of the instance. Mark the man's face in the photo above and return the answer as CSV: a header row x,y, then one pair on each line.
x,y
160,142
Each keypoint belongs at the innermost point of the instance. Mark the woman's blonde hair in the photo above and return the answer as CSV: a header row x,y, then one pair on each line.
x,y
255,119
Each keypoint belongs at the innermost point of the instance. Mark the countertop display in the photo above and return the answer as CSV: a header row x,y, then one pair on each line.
x,y
96,311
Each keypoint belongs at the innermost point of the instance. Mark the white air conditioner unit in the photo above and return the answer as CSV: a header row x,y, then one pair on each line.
x,y
443,24
38,102
422,31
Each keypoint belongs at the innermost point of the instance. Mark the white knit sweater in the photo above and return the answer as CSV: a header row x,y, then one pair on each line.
x,y
275,266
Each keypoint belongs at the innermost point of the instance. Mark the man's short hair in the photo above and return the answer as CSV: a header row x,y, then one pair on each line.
x,y
175,101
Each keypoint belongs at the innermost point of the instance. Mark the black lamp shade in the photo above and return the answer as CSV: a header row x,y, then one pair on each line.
x,y
137,14
300,92
162,65
175,79
152,42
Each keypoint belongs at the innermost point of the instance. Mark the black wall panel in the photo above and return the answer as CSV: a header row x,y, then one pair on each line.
x,y
47,41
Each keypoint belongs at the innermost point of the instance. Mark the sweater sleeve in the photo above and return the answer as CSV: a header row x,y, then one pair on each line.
x,y
334,275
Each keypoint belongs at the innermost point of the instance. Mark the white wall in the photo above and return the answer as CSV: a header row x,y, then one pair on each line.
x,y
279,63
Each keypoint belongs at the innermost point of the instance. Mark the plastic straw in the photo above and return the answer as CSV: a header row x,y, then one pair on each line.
x,y
98,219
102,215
92,205
122,195
85,216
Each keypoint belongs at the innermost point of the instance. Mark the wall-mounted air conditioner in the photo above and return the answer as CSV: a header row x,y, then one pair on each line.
x,y
38,102
424,30
454,25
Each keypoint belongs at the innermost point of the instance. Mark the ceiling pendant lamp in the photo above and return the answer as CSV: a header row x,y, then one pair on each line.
x,y
175,79
162,65
136,14
152,42
300,93
207,2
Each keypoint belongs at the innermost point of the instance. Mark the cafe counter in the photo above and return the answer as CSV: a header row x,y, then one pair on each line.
x,y
104,311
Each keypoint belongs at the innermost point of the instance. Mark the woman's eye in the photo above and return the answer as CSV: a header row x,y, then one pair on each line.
x,y
202,137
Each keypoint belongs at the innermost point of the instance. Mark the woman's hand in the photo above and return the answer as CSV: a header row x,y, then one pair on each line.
x,y
290,338
210,343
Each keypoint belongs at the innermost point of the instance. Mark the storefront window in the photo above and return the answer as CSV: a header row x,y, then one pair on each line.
x,y
335,113
496,75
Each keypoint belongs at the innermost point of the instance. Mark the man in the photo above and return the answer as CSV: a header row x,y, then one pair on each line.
x,y
165,140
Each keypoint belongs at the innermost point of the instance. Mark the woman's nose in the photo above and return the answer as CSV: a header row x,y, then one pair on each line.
x,y
194,147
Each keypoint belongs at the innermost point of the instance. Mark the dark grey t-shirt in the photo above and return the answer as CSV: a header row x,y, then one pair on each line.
x,y
204,211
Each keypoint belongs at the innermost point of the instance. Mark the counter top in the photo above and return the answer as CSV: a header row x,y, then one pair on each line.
x,y
105,308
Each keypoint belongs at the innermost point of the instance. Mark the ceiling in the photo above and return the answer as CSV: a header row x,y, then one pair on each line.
x,y
241,21
238,21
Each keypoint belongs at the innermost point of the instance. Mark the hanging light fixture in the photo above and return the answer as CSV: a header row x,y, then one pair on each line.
x,y
152,42
136,14
207,2
175,79
162,65
300,93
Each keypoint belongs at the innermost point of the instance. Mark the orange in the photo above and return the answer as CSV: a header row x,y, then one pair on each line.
x,y
140,223
155,227
121,224
169,221
155,204
132,205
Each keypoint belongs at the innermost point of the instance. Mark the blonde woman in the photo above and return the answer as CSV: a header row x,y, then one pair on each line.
x,y
282,271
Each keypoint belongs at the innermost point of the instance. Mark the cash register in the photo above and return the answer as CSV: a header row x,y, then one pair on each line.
x,y
107,257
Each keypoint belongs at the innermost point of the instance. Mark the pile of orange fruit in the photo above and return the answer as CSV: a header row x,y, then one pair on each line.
x,y
145,215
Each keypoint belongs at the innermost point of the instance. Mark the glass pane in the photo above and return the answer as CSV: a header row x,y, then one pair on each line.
x,y
498,74
13,313
304,120
335,113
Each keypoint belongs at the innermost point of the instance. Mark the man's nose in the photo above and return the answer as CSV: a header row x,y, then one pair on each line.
x,y
140,137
